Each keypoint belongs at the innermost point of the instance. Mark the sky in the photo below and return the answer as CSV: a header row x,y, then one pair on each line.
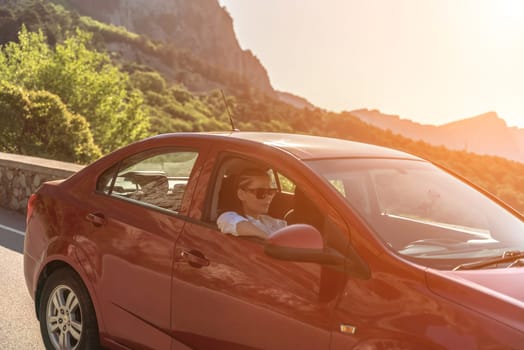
x,y
431,61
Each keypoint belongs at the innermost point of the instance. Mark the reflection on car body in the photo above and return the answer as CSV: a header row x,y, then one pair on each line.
x,y
126,253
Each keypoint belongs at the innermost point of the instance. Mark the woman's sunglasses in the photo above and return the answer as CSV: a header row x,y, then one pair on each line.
x,y
261,193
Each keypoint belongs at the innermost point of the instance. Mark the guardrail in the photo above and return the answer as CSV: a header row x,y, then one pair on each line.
x,y
20,176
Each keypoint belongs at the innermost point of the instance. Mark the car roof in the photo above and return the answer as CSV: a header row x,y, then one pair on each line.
x,y
307,146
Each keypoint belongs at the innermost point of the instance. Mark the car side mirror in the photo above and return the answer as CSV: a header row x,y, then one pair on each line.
x,y
302,243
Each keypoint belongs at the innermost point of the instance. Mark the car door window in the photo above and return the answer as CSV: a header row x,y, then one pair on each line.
x,y
289,203
224,198
157,179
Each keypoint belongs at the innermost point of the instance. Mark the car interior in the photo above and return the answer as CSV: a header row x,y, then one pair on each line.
x,y
293,206
154,188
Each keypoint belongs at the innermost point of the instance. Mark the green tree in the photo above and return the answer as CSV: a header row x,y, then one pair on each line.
x,y
148,81
37,123
25,62
84,79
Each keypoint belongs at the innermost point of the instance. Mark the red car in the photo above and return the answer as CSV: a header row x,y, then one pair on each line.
x,y
383,250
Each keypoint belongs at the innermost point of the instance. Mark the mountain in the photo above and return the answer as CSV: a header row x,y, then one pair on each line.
x,y
192,42
201,27
483,134
294,100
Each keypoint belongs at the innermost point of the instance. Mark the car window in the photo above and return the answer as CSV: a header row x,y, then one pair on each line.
x,y
285,184
291,203
223,196
157,180
283,203
422,212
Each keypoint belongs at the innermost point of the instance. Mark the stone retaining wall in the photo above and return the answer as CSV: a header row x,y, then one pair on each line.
x,y
20,176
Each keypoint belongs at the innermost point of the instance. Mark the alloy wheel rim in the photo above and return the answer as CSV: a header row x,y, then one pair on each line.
x,y
64,318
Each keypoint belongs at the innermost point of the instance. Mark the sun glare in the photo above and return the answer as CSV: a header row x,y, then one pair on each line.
x,y
504,23
507,13
511,9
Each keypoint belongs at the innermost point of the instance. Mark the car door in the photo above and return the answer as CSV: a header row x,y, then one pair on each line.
x,y
228,294
134,220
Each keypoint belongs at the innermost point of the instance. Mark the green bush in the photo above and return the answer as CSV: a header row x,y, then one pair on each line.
x,y
14,110
148,81
37,123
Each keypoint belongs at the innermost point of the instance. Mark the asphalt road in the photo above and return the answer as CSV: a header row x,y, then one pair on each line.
x,y
19,329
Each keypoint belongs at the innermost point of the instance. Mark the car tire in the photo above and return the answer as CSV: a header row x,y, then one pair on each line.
x,y
66,313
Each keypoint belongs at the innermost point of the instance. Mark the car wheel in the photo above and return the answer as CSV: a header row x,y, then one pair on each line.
x,y
66,313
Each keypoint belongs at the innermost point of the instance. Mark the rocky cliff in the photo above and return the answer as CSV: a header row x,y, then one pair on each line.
x,y
199,26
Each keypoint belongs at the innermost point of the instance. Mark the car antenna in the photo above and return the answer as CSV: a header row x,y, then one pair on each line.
x,y
233,128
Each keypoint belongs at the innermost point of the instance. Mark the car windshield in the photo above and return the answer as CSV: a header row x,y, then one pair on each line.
x,y
422,212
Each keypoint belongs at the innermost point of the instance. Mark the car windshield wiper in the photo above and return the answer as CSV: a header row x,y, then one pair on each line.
x,y
508,256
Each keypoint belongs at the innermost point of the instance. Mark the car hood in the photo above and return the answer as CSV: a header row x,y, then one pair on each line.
x,y
496,293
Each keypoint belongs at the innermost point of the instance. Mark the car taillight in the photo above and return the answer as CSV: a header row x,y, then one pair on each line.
x,y
30,207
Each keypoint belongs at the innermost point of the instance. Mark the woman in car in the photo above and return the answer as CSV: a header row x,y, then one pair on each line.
x,y
255,193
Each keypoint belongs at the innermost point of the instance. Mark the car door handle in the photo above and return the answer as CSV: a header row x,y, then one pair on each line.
x,y
194,258
96,219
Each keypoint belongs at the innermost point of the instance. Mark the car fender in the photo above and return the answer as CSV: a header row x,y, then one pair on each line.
x,y
70,254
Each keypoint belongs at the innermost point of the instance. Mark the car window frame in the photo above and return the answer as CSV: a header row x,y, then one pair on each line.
x,y
149,153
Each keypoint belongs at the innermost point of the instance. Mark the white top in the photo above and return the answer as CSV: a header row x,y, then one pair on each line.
x,y
227,223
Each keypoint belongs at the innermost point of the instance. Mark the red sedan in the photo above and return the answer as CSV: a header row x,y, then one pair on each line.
x,y
382,250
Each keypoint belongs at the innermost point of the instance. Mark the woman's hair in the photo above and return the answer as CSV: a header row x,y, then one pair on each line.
x,y
245,178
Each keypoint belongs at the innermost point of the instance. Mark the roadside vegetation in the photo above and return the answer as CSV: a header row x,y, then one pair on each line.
x,y
70,90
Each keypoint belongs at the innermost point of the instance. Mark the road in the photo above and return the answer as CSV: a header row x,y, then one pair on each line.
x,y
19,328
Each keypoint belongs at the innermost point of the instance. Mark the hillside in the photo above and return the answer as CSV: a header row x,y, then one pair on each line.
x,y
484,134
201,27
201,57
294,100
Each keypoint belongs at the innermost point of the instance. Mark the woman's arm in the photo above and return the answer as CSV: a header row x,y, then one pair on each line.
x,y
235,224
245,228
